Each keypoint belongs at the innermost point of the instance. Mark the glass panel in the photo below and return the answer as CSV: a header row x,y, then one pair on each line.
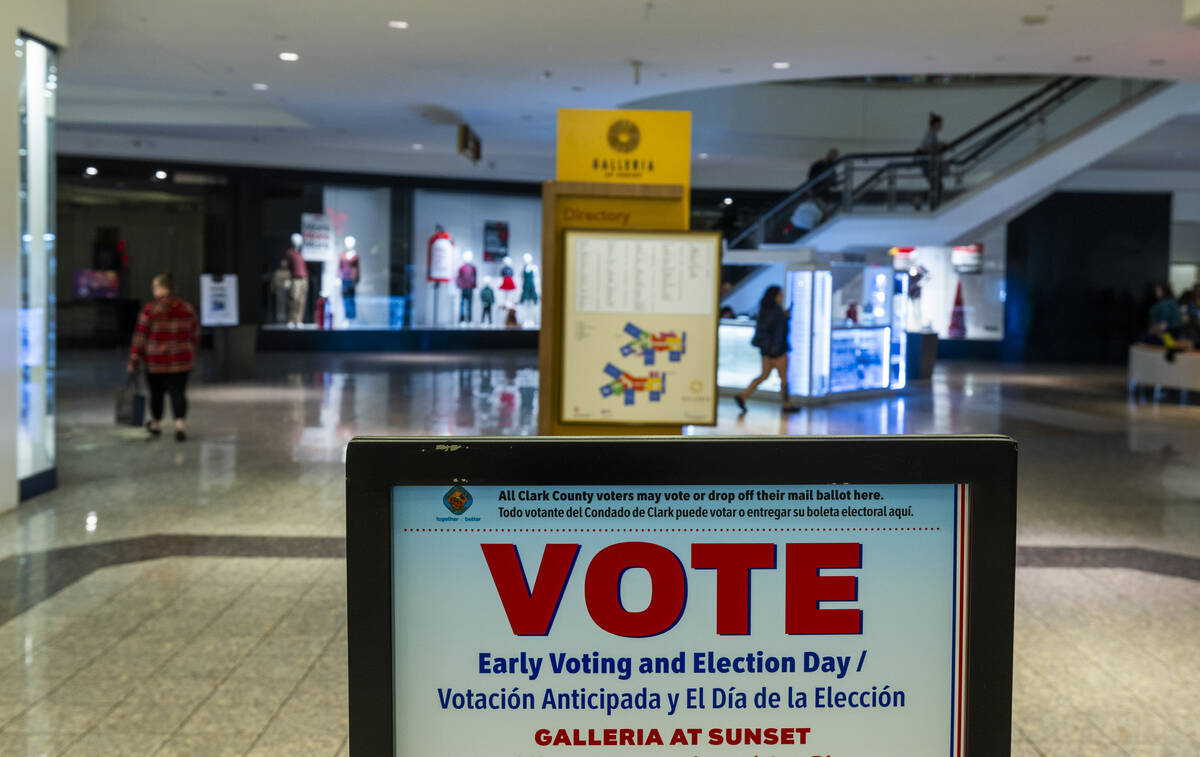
x,y
800,284
859,359
900,330
822,292
739,362
36,317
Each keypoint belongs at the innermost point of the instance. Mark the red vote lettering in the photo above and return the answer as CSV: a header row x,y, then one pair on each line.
x,y
530,613
807,588
733,563
668,592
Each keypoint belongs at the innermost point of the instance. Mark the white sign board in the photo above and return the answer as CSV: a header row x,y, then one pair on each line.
x,y
218,300
640,318
317,230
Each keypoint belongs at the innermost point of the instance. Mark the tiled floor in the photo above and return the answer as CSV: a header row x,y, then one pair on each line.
x,y
196,652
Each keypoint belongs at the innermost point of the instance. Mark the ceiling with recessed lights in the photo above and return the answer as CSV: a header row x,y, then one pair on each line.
x,y
373,79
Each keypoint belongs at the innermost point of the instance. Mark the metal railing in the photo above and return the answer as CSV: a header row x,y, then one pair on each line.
x,y
915,181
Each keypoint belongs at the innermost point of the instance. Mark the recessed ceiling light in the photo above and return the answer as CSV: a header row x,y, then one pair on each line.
x,y
91,170
727,201
1083,59
259,86
160,175
289,57
418,146
397,24
1034,19
703,156
781,65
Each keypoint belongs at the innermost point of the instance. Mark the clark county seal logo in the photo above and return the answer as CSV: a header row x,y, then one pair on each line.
x,y
624,136
458,500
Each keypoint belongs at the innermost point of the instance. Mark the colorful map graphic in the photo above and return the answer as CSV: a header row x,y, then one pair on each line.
x,y
647,345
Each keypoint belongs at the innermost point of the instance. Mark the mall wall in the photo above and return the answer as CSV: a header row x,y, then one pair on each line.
x,y
157,238
1080,265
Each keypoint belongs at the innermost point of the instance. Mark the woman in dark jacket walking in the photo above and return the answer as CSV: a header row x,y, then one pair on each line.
x,y
771,338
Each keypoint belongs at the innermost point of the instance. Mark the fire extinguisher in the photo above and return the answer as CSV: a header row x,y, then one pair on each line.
x,y
319,311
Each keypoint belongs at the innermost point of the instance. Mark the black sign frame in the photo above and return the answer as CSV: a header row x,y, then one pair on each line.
x,y
986,463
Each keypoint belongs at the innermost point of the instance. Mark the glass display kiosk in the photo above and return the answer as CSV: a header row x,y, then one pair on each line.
x,y
847,333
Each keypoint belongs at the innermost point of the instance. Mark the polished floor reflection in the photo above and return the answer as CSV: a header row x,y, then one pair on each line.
x,y
188,599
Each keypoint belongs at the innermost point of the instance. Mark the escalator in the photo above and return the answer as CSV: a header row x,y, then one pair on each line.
x,y
997,168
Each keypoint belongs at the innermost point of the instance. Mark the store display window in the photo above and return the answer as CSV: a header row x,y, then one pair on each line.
x,y
333,270
476,260
956,292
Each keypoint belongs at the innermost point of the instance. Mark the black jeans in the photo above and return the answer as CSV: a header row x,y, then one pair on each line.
x,y
174,384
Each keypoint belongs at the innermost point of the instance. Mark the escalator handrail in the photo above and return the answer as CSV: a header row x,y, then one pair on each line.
x,y
912,159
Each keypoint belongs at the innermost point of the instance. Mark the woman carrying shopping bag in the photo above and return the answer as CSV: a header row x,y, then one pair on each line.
x,y
165,341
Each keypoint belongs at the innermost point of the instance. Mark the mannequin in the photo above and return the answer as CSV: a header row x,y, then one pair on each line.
x,y
281,283
348,272
439,267
507,285
487,298
529,292
298,291
466,280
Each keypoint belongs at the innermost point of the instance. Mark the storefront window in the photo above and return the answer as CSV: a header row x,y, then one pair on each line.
x,y
490,240
38,85
956,292
352,257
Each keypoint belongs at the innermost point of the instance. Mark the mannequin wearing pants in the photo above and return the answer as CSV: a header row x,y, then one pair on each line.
x,y
298,293
466,282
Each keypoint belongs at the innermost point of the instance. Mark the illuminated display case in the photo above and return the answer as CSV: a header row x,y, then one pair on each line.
x,y
847,333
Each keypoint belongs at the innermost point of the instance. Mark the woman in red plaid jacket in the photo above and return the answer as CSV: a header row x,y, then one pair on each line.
x,y
165,340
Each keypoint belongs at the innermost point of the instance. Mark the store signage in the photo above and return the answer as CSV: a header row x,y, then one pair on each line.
x,y
625,146
218,300
317,230
495,241
806,633
92,284
640,327
470,146
967,258
717,618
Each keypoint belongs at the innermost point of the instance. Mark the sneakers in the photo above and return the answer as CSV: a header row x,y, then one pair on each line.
x,y
741,403
180,435
153,431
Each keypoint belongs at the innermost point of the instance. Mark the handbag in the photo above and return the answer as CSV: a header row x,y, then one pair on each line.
x,y
131,402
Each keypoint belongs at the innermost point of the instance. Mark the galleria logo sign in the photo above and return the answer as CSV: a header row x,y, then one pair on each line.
x,y
624,136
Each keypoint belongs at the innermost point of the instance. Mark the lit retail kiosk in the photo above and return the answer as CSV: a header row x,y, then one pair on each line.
x,y
847,332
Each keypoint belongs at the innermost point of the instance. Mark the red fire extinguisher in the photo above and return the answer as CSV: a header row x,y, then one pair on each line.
x,y
319,312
